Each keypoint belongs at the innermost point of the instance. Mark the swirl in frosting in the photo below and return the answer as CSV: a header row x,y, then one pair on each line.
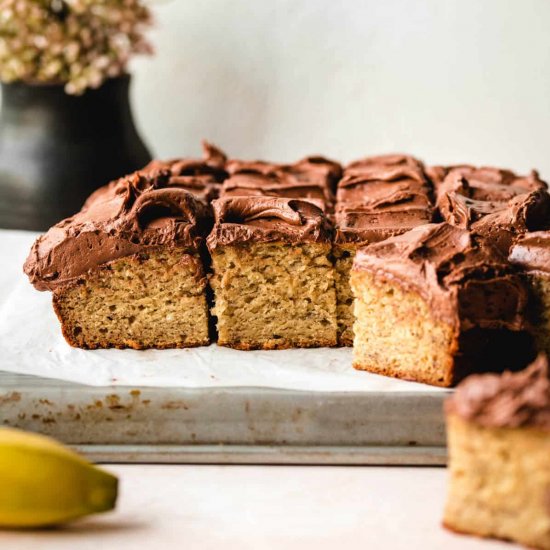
x,y
126,217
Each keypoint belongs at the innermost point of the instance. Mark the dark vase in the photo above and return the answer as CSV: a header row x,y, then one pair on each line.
x,y
55,149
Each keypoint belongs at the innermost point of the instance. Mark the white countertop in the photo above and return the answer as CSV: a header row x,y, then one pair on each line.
x,y
256,507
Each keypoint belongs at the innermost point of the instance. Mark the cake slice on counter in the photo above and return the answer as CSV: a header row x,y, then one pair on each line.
x,y
201,177
273,278
377,197
434,305
126,271
498,433
531,253
312,178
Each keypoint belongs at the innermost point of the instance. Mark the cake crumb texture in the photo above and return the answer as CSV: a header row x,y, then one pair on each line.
x,y
499,482
274,295
343,260
148,300
396,334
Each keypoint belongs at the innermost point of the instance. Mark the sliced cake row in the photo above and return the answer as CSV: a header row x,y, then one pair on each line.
x,y
276,244
130,269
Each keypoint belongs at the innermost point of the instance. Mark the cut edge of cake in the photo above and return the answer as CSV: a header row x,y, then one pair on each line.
x,y
148,300
433,305
273,278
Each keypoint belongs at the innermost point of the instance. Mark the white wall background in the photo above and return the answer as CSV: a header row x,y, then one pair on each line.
x,y
447,80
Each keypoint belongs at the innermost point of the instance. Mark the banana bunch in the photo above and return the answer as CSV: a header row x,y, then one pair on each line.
x,y
43,483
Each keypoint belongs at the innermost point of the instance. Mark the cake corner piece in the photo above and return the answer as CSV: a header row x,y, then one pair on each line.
x,y
126,271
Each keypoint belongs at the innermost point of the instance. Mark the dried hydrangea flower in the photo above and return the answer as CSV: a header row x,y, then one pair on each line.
x,y
77,42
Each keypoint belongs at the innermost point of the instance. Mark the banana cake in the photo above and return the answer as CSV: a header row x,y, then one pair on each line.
x,y
126,271
435,304
132,268
377,197
272,273
498,433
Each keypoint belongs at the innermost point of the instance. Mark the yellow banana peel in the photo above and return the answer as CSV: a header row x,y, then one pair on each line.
x,y
42,483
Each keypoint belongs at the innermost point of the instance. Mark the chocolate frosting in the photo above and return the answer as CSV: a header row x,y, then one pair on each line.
x,y
436,174
467,284
462,211
267,219
499,221
531,251
509,400
330,169
246,184
313,170
212,163
312,178
391,159
384,180
496,204
201,177
487,184
359,225
129,216
381,196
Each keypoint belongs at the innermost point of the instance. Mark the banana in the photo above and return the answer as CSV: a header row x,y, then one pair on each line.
x,y
43,483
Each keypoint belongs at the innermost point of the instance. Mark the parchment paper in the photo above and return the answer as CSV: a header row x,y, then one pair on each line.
x,y
31,343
